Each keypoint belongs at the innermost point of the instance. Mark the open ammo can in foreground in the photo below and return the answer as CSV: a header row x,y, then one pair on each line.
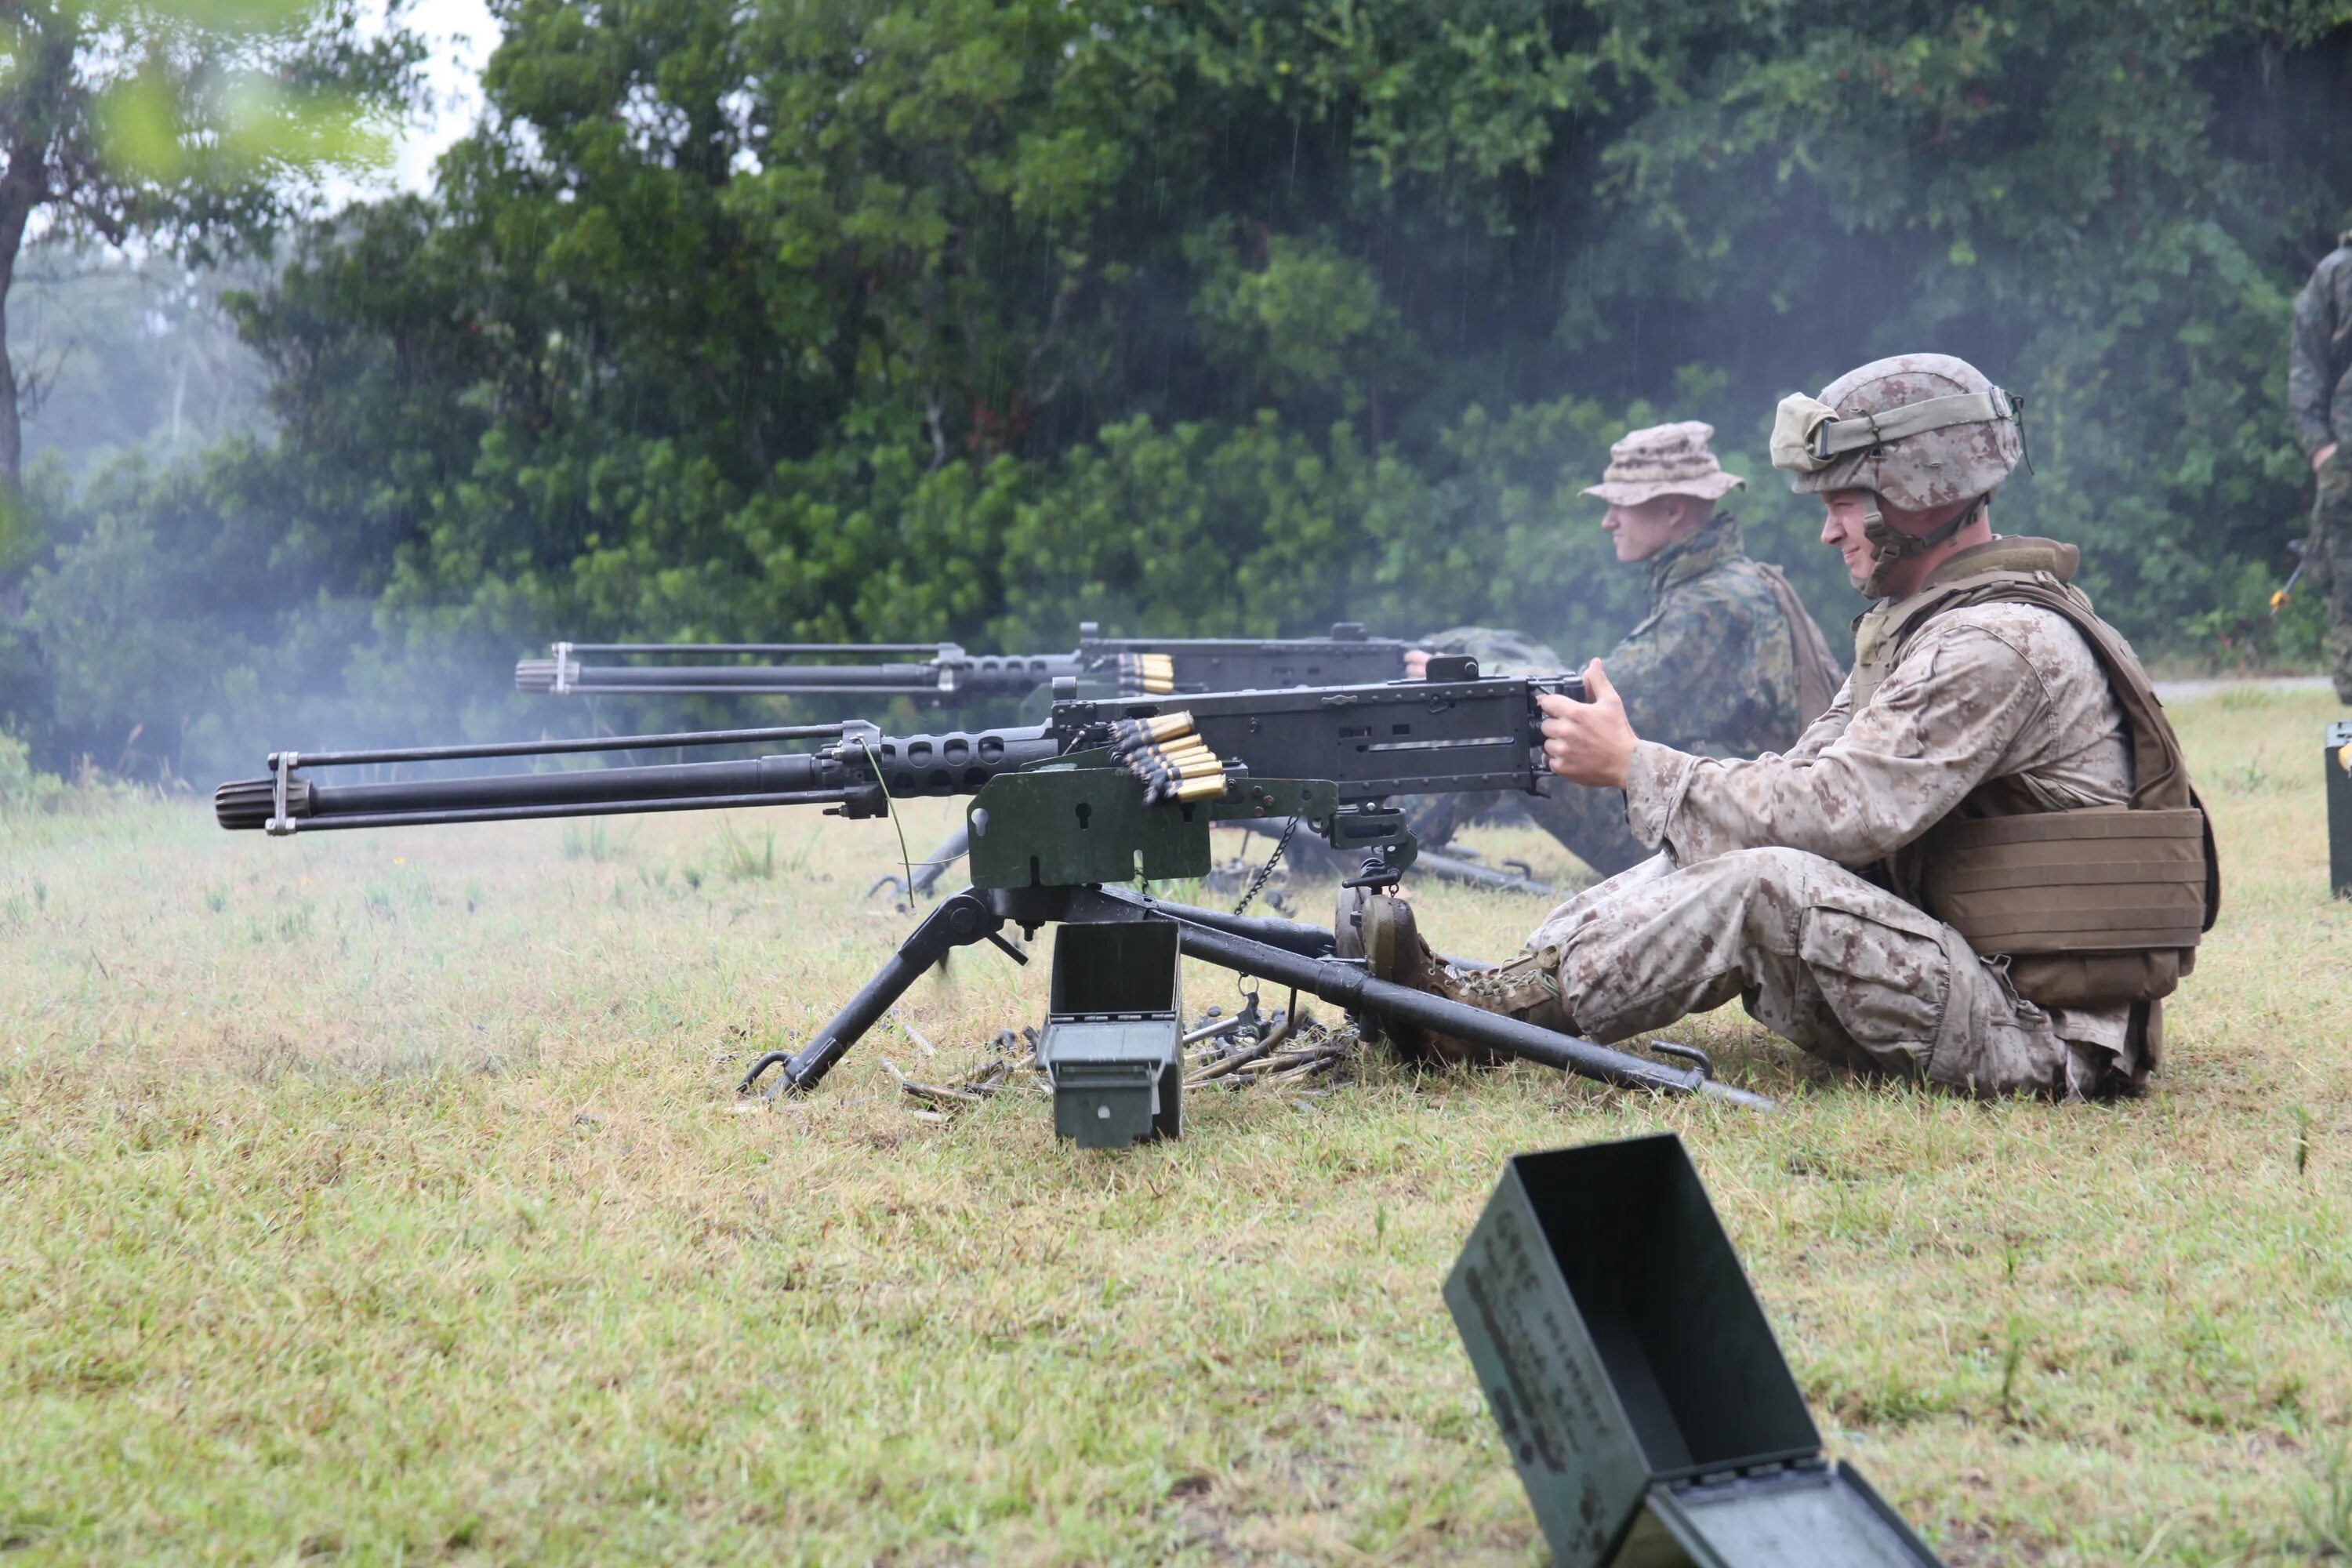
x,y
1644,1401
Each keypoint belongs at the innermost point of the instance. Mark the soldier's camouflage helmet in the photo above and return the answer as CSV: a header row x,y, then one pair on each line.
x,y
1916,433
1920,431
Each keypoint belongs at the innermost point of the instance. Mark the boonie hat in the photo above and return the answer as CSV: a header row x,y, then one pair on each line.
x,y
1664,461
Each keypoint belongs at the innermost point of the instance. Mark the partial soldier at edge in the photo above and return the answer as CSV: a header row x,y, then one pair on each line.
x,y
2319,400
1726,664
1984,868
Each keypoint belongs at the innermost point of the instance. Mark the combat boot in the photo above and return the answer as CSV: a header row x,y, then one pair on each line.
x,y
1379,928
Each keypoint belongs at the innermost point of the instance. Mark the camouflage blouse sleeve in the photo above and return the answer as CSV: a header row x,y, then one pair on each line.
x,y
1825,728
2318,401
1941,723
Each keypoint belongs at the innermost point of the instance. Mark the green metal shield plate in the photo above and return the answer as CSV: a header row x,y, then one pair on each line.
x,y
1068,826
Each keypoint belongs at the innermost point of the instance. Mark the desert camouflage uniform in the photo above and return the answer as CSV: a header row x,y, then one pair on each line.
x,y
1764,890
1712,671
2319,397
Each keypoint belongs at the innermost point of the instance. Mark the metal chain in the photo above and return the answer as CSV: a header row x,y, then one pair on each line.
x,y
1268,870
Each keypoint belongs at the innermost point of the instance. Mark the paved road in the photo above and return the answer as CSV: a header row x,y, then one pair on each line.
x,y
2174,692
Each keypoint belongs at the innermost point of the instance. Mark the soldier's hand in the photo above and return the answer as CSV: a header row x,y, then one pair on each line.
x,y
1589,742
1416,664
2318,461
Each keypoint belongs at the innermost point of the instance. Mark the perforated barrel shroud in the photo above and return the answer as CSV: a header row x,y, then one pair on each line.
x,y
1636,1383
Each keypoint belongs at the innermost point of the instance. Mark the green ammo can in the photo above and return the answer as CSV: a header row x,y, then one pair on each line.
x,y
2340,808
1112,1047
1644,1401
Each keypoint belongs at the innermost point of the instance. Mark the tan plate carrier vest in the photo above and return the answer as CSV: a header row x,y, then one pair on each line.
x,y
2095,908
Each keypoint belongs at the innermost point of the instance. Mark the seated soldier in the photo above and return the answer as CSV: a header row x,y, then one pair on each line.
x,y
1982,867
1727,663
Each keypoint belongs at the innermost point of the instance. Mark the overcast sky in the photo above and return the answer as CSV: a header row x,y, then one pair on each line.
x,y
461,36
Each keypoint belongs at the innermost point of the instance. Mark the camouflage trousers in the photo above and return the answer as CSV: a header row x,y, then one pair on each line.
x,y
1839,966
2329,551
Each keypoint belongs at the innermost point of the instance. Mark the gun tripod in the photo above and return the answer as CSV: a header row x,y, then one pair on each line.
x,y
1112,1031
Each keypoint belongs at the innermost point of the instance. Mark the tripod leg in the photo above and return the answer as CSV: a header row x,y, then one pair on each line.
x,y
930,868
959,922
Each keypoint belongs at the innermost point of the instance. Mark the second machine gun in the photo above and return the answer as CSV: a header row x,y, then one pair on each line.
x,y
951,677
1136,667
1109,789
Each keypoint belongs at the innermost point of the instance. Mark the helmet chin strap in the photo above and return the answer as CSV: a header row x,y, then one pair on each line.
x,y
1889,544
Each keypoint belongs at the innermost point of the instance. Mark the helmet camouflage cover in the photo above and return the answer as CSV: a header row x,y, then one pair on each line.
x,y
1918,432
1917,472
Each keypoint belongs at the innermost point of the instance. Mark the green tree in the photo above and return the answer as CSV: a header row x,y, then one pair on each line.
x,y
174,121
114,354
981,317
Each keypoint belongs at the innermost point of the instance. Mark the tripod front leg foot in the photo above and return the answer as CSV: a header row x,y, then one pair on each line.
x,y
959,922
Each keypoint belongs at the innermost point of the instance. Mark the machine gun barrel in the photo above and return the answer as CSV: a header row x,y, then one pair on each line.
x,y
780,779
779,649
852,773
1129,666
554,677
950,673
557,748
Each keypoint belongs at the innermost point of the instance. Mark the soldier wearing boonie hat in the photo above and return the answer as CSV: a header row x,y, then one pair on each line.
x,y
1726,664
1664,461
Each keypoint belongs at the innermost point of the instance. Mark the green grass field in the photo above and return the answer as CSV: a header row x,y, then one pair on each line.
x,y
383,1199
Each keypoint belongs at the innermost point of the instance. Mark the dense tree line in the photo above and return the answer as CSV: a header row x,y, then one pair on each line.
x,y
977,318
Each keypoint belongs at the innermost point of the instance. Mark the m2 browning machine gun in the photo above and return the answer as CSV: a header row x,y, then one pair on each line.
x,y
1126,667
1108,791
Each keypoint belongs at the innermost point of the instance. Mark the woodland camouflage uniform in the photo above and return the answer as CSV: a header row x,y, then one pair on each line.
x,y
2319,399
1716,669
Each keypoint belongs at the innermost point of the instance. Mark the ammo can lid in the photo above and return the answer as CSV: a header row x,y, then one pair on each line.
x,y
1806,1516
1090,1042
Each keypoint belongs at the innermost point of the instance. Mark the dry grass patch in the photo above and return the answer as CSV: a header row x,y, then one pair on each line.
x,y
383,1198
